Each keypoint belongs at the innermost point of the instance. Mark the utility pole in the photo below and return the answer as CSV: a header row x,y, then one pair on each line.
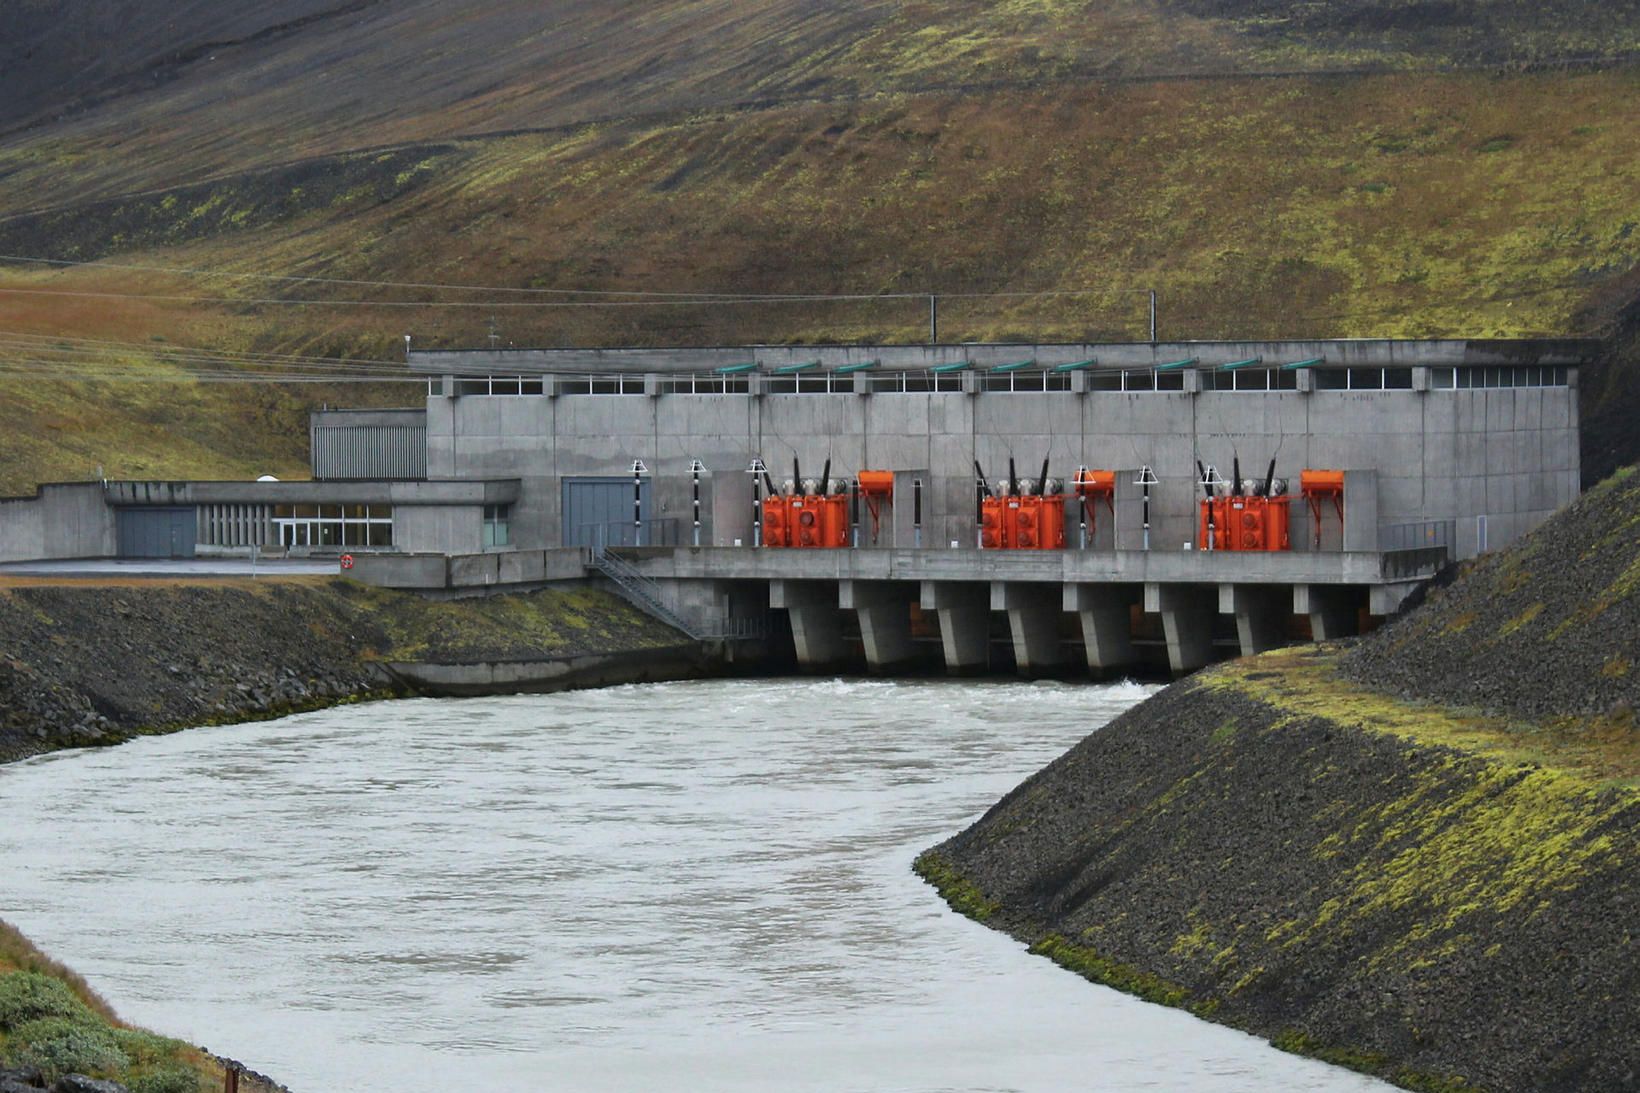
x,y
933,319
1152,316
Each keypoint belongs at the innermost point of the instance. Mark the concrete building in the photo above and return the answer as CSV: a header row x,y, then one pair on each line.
x,y
1483,435
1447,448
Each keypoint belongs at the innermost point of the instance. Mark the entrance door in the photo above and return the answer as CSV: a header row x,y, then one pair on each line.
x,y
156,532
598,512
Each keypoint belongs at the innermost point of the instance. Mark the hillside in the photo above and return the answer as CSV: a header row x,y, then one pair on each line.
x,y
1414,857
200,88
1270,169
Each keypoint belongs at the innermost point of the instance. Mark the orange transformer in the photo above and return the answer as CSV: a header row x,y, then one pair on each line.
x,y
806,521
1245,523
1023,523
775,526
1319,487
1091,488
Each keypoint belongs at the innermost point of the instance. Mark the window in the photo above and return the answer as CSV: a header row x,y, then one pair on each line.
x,y
601,385
1251,379
497,526
705,385
1521,376
809,383
333,525
1026,381
495,385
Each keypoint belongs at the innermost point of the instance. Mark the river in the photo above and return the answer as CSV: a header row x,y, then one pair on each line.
x,y
689,886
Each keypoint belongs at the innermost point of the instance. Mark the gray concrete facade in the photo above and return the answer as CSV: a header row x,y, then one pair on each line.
x,y
1504,457
62,520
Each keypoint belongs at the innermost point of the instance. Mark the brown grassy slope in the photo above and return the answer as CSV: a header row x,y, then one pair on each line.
x,y
1373,205
186,91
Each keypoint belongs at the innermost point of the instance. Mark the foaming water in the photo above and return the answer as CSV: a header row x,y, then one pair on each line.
x,y
685,886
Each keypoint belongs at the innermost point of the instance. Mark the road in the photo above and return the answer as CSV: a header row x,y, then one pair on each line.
x,y
119,569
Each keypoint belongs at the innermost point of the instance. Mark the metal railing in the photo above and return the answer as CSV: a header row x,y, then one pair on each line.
x,y
646,596
1414,564
1422,535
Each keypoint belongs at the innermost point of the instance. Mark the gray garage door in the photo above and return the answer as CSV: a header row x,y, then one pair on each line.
x,y
598,511
156,533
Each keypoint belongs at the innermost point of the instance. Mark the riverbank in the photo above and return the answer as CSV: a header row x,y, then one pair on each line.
x,y
1417,855
95,664
1388,887
54,1026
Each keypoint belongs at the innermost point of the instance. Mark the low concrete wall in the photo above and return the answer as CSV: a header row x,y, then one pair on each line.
x,y
68,520
552,673
502,569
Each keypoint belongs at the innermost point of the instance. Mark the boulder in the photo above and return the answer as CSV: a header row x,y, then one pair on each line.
x,y
79,1083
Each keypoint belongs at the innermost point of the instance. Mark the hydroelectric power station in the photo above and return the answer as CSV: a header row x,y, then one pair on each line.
x,y
1034,507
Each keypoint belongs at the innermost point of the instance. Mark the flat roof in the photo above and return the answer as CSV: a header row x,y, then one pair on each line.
x,y
1339,353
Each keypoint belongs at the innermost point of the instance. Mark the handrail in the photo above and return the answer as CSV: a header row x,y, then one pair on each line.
x,y
646,596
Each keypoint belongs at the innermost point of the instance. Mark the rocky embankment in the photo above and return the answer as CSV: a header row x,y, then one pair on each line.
x,y
97,664
1418,856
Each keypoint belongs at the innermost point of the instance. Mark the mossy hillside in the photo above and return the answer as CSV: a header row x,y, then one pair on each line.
x,y
1433,901
285,195
51,1020
1545,630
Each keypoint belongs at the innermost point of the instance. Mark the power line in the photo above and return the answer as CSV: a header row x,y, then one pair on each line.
x,y
453,287
56,370
492,304
152,347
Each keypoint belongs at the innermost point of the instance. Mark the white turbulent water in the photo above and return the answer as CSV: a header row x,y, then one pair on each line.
x,y
695,886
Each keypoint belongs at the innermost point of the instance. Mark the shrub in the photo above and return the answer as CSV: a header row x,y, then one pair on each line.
x,y
30,996
143,1047
172,1079
62,1045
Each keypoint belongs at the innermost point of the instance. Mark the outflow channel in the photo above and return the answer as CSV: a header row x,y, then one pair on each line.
x,y
685,886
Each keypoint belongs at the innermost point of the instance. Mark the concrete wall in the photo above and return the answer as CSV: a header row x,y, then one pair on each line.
x,y
61,521
445,529
1508,454
470,572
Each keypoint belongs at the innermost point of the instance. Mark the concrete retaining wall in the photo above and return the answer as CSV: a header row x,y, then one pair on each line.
x,y
67,520
509,569
553,673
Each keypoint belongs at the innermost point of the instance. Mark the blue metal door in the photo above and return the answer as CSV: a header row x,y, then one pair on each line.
x,y
156,532
598,512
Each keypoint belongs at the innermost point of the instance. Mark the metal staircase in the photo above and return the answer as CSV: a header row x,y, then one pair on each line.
x,y
645,595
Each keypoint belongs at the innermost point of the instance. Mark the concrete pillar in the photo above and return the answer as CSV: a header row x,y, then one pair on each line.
x,y
1332,610
964,610
1033,620
1105,613
1187,622
1261,613
884,610
817,623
